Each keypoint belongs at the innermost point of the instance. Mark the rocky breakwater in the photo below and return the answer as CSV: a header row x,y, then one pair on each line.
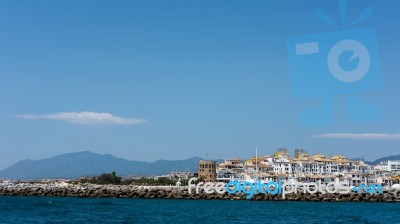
x,y
131,191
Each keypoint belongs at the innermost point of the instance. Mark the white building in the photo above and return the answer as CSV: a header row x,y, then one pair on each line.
x,y
302,166
389,165
230,169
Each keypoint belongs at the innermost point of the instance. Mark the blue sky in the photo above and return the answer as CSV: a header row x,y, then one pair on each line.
x,y
148,80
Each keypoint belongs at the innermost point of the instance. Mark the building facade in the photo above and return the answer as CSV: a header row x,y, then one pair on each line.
x,y
208,170
302,167
389,165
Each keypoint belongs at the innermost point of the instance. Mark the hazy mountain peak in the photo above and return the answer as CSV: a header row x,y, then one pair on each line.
x,y
86,163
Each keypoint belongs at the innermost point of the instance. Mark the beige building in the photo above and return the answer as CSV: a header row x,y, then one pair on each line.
x,y
302,167
208,170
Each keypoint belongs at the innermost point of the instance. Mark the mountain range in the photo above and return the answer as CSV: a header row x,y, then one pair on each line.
x,y
80,164
375,162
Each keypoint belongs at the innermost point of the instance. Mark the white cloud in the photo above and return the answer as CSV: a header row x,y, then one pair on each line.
x,y
360,136
85,117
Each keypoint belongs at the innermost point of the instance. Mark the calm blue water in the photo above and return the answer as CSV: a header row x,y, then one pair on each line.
x,y
114,210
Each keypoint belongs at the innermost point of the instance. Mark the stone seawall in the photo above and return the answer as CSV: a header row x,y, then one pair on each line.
x,y
113,191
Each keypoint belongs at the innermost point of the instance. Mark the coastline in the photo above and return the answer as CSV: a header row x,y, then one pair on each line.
x,y
174,192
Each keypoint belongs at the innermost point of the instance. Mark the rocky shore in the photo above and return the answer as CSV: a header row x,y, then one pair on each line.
x,y
114,191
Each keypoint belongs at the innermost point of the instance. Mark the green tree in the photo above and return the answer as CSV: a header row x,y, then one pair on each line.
x,y
105,178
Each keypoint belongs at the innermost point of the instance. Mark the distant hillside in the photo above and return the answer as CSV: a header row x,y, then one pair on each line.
x,y
79,164
395,157
73,165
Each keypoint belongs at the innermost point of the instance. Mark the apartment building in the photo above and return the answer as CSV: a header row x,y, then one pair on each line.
x,y
389,165
302,166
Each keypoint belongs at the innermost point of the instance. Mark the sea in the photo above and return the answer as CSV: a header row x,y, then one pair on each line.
x,y
16,209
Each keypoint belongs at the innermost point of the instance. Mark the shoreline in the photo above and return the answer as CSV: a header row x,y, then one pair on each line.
x,y
174,192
